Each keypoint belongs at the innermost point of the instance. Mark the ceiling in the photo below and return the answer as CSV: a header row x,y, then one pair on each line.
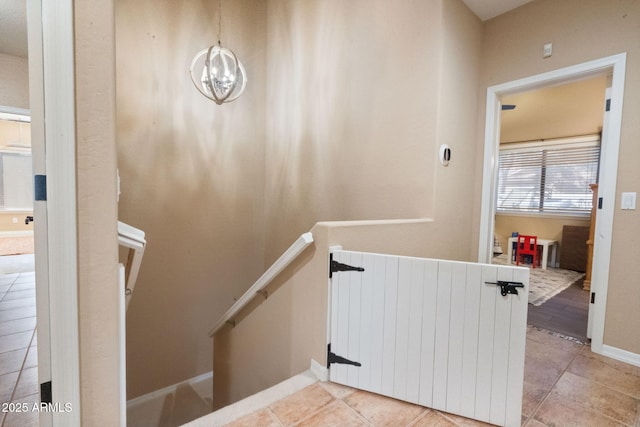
x,y
13,20
487,9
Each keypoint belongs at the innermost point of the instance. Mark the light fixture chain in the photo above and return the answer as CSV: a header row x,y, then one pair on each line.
x,y
219,22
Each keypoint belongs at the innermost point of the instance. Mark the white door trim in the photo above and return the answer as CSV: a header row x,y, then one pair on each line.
x,y
38,154
607,179
59,116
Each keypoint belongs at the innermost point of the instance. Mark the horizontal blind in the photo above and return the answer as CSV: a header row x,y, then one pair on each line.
x,y
549,179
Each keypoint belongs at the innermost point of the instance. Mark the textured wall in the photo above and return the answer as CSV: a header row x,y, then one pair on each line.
x,y
361,96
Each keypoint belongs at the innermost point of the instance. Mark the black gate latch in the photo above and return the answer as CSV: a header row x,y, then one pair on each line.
x,y
507,287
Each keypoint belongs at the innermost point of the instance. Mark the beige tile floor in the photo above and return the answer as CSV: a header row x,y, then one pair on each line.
x,y
565,385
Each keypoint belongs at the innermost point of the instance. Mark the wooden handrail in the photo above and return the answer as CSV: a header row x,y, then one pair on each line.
x,y
285,259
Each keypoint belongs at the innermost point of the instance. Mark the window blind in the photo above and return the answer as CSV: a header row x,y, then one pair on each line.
x,y
16,182
549,178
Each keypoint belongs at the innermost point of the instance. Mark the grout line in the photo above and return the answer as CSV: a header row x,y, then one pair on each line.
x,y
273,416
24,361
544,399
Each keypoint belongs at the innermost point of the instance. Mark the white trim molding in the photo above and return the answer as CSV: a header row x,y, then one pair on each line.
x,y
60,139
165,391
321,372
621,355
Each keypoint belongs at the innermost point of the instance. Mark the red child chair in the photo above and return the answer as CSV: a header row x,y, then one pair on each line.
x,y
527,245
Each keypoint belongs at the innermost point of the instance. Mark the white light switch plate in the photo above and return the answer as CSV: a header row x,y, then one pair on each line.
x,y
628,201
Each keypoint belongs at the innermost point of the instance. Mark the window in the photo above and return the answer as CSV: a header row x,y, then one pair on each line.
x,y
548,177
16,182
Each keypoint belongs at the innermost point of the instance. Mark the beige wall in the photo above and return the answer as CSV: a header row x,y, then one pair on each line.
x,y
98,291
512,49
361,96
7,221
192,178
14,81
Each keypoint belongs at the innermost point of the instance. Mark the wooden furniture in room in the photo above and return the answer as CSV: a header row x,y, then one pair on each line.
x,y
573,254
592,229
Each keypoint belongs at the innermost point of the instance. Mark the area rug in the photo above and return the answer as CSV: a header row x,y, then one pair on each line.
x,y
545,284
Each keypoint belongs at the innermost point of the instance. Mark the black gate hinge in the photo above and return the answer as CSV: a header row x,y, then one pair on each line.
x,y
335,266
593,297
334,358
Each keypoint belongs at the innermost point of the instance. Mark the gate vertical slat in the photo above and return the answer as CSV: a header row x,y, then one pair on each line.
x,y
488,296
390,309
428,331
366,323
518,339
355,333
379,272
501,338
415,330
441,359
343,291
402,328
456,336
470,346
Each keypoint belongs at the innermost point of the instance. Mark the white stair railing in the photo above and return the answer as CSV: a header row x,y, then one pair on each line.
x,y
133,239
281,263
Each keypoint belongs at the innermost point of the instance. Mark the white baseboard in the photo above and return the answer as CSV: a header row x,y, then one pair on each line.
x,y
168,390
321,372
17,233
621,355
262,399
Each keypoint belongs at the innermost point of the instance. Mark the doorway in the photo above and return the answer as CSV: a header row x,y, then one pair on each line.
x,y
549,151
615,66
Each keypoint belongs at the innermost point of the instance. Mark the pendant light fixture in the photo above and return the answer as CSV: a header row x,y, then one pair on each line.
x,y
217,72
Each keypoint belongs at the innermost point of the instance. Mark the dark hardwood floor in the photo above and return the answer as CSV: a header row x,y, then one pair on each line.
x,y
566,313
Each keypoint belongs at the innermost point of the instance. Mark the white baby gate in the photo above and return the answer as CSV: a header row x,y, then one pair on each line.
x,y
442,334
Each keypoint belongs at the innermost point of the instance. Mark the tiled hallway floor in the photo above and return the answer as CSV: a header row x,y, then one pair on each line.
x,y
18,343
565,385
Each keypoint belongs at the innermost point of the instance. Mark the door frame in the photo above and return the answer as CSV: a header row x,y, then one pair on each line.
x,y
616,65
52,98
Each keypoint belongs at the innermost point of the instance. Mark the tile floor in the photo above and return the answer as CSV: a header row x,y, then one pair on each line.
x,y
565,385
18,346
